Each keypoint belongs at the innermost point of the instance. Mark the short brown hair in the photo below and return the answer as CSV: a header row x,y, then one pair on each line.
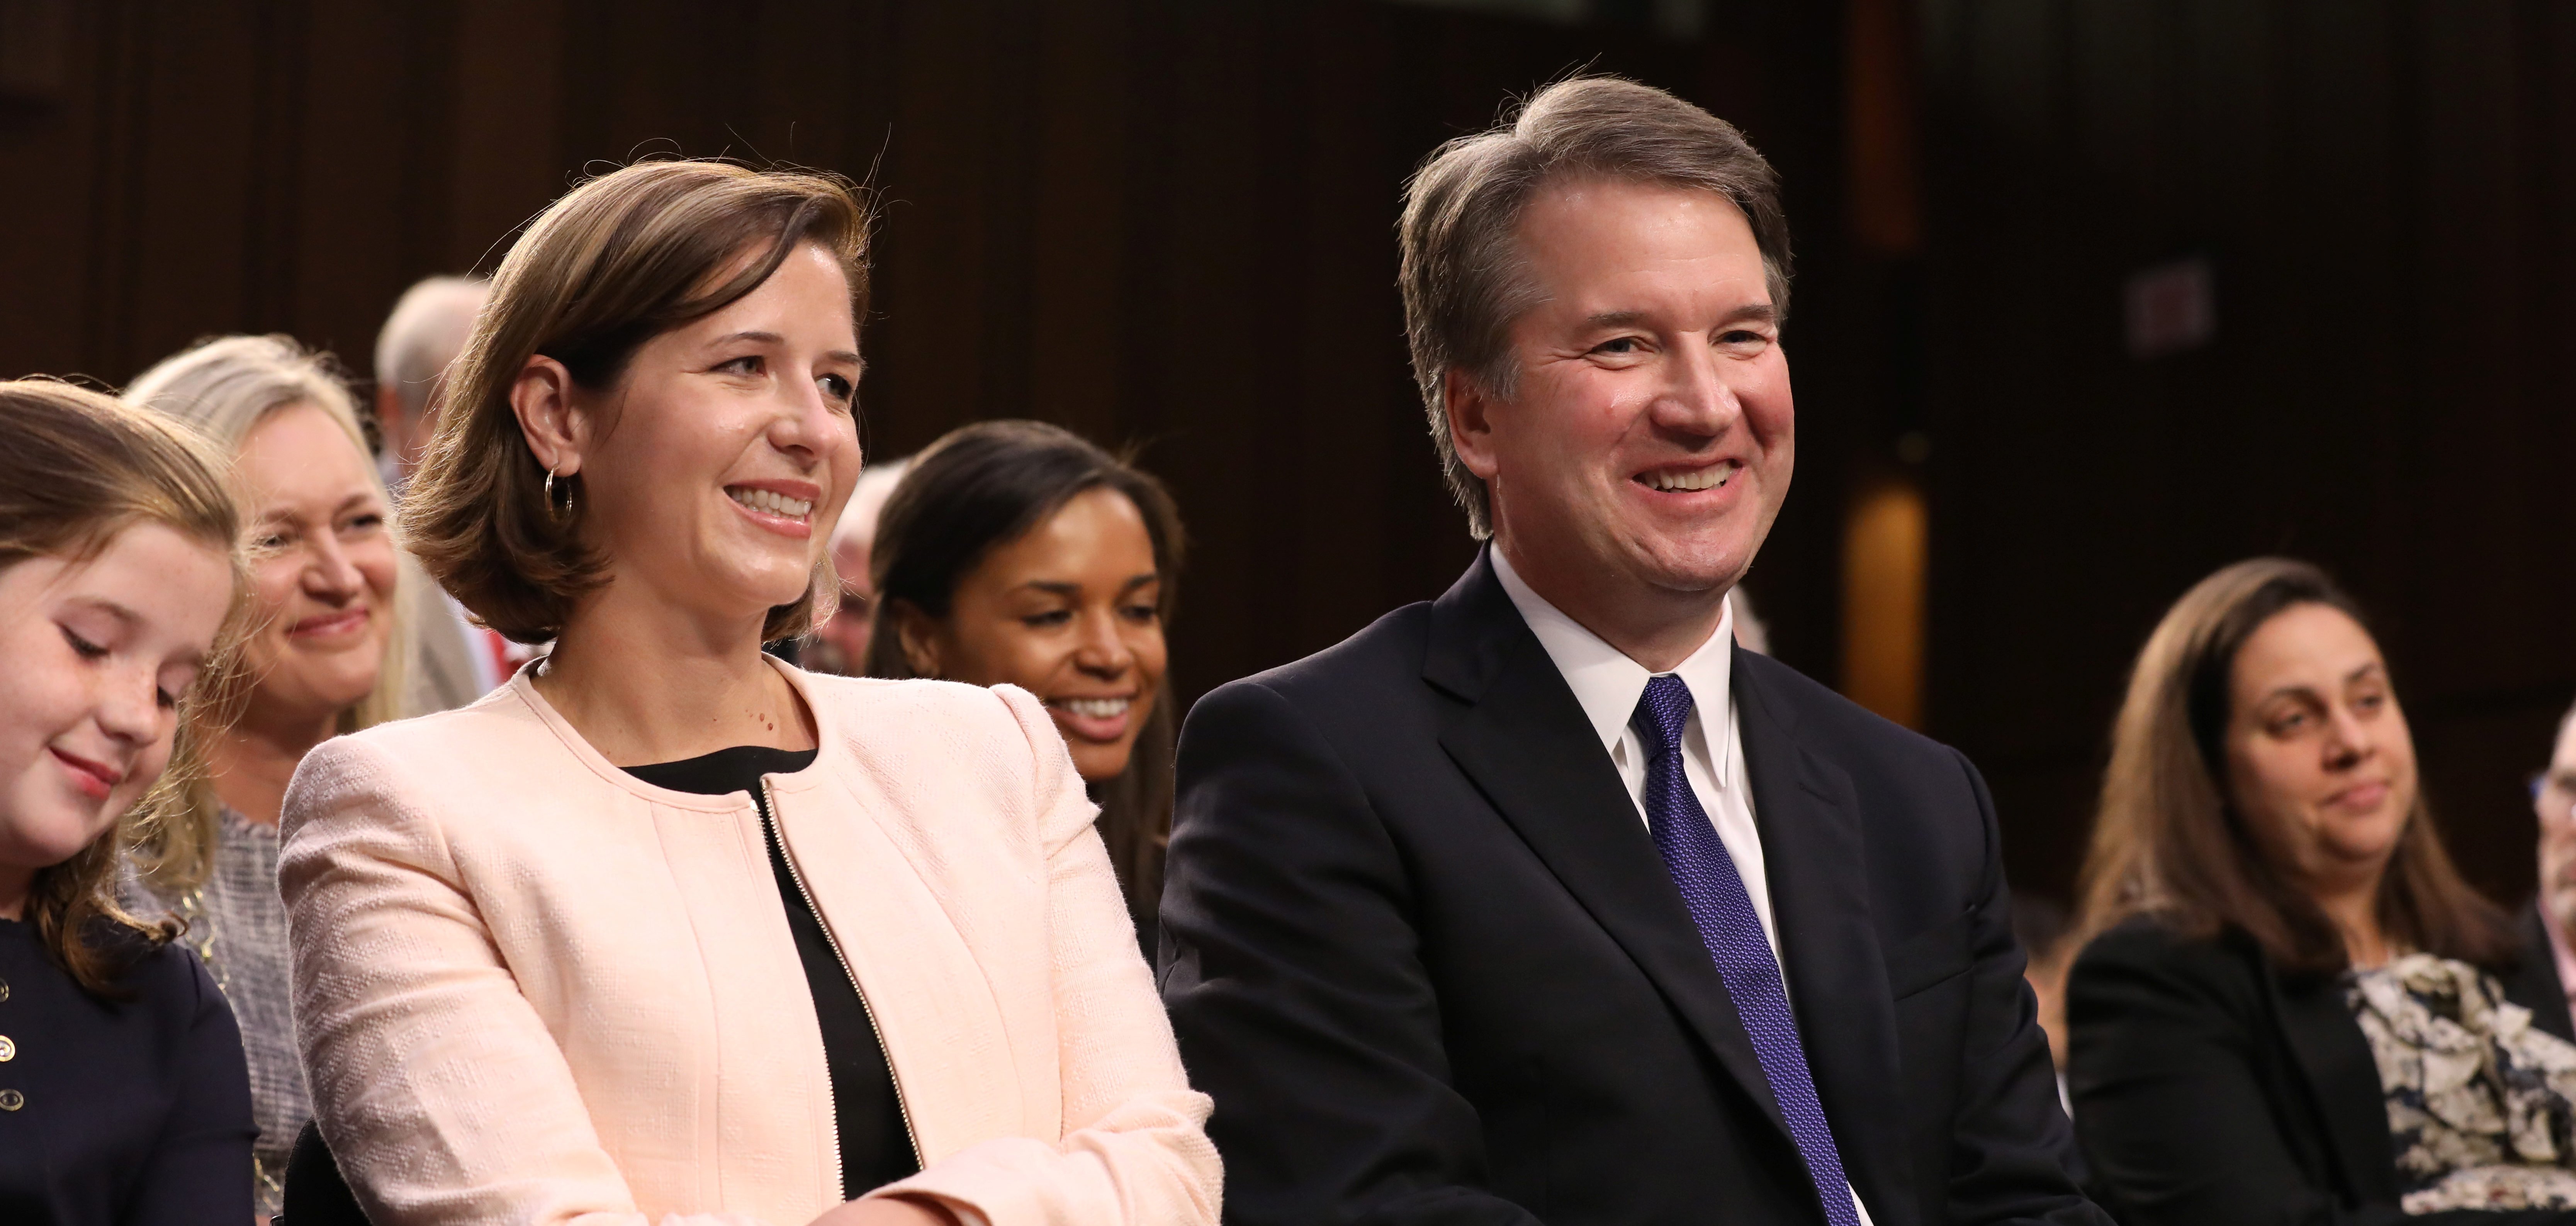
x,y
2168,842
1462,277
617,261
81,467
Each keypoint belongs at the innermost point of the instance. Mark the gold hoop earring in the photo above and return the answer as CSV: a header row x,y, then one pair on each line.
x,y
556,510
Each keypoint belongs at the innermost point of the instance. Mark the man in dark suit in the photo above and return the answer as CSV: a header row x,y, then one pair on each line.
x,y
1541,902
2537,983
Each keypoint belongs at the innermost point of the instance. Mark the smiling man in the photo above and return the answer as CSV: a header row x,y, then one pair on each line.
x,y
1543,902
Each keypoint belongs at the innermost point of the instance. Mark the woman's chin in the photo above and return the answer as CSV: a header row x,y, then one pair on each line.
x,y
1101,763
348,656
766,569
310,696
2363,853
51,828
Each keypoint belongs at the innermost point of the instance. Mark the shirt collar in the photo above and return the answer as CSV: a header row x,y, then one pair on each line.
x,y
1608,684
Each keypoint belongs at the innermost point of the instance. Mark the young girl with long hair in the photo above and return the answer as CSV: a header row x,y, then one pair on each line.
x,y
123,1096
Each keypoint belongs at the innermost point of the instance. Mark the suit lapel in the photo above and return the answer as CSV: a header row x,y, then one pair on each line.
x,y
2534,984
1522,737
2342,1076
1815,859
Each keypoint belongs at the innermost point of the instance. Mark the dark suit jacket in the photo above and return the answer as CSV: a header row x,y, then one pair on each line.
x,y
2211,1089
1423,952
2533,980
133,1110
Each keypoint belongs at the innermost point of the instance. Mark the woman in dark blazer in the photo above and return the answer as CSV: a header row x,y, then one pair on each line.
x,y
2276,926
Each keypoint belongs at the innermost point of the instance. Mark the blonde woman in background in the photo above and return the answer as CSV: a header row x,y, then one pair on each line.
x,y
324,657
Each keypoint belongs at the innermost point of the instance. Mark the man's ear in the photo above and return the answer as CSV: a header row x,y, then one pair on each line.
x,y
556,428
1471,426
919,637
389,416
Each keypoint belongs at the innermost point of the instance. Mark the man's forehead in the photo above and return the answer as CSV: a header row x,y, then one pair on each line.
x,y
2562,757
1589,210
1599,251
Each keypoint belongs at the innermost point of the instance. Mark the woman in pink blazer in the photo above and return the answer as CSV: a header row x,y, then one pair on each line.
x,y
666,930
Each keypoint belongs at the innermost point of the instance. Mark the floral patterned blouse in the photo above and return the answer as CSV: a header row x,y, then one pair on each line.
x,y
2481,1104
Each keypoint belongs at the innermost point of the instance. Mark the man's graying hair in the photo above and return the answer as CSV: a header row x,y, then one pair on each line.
x,y
428,326
1463,277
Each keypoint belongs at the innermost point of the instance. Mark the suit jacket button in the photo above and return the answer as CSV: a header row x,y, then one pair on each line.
x,y
11,1100
8,1049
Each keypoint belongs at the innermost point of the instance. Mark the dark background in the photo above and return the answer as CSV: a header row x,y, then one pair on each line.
x,y
2385,193
1171,224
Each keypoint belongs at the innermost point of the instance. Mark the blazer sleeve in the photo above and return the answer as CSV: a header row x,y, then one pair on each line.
x,y
200,1168
2012,1149
1134,1147
2171,1106
434,1080
2172,1111
1293,974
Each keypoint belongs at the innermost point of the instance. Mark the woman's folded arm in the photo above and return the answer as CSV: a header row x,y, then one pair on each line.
x,y
1135,1147
440,1090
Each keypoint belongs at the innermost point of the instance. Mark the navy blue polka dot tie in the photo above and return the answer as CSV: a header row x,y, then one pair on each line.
x,y
1733,934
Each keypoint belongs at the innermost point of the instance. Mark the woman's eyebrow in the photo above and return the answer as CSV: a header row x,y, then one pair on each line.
x,y
758,337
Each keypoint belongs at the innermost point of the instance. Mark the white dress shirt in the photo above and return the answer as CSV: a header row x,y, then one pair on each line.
x,y
1608,684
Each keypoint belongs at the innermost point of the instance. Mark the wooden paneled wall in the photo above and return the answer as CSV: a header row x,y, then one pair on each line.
x,y
1161,222
2383,191
1169,223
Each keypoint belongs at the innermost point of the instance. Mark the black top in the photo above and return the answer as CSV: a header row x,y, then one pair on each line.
x,y
2211,1089
875,1148
134,1112
315,1192
1421,950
